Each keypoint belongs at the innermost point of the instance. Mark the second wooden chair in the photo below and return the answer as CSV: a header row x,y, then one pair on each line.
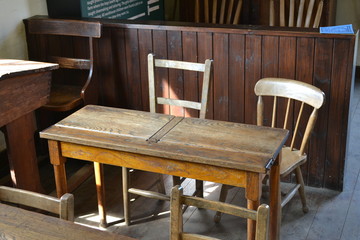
x,y
300,103
199,104
261,216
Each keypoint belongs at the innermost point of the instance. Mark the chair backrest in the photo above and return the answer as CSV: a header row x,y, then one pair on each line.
x,y
64,206
227,13
205,68
290,90
74,28
177,199
303,19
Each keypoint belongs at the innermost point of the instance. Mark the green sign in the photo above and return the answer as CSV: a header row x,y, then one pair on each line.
x,y
123,9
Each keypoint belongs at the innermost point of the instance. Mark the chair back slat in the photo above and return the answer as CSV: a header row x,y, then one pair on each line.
x,y
71,63
230,9
282,13
206,9
222,13
272,13
291,13
237,12
318,14
309,13
300,13
200,67
214,12
65,27
204,68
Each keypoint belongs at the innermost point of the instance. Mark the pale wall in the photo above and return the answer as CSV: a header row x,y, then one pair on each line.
x,y
348,12
12,33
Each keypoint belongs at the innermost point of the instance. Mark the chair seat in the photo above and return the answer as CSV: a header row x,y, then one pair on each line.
x,y
64,97
290,160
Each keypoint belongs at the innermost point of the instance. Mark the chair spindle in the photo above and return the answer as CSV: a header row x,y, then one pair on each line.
x,y
296,126
273,120
287,114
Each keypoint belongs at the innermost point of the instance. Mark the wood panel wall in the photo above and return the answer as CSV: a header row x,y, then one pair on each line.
x,y
241,57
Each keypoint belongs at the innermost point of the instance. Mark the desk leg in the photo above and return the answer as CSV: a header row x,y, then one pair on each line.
x,y
22,154
100,189
58,162
253,194
275,200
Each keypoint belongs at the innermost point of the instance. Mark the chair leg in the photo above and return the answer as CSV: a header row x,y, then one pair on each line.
x,y
126,200
100,189
176,181
300,181
161,184
222,198
199,192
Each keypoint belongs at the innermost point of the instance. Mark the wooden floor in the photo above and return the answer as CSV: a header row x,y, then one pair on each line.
x,y
332,216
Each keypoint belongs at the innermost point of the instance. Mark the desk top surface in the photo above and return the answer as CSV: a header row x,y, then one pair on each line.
x,y
217,143
17,223
13,67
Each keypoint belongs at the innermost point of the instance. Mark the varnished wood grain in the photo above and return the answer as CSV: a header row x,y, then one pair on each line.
x,y
155,164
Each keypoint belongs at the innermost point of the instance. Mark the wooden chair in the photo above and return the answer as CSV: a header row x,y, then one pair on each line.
x,y
227,14
64,206
299,98
201,105
66,95
261,216
72,85
309,17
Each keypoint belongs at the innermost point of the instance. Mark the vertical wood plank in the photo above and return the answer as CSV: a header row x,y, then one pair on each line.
x,y
287,57
192,80
304,73
176,77
270,68
236,78
221,76
205,51
287,69
145,47
317,144
252,75
115,63
161,74
338,114
133,85
109,90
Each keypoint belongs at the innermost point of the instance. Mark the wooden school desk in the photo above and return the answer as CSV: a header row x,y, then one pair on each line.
x,y
217,151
